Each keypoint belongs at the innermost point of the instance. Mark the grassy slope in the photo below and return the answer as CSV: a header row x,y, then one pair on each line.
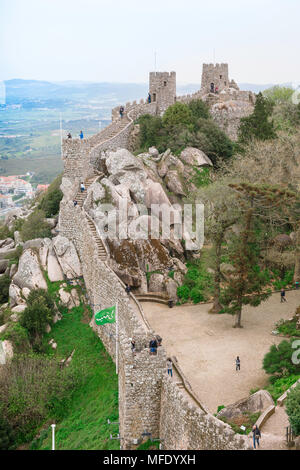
x,y
85,426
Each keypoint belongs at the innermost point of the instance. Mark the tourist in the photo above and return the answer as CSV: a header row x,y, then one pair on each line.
x,y
159,340
121,111
169,367
282,295
237,363
127,289
170,303
217,90
132,345
212,88
256,434
153,346
149,98
75,202
82,187
69,135
297,284
81,135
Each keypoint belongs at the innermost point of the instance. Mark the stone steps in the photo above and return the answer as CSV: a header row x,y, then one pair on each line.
x,y
159,297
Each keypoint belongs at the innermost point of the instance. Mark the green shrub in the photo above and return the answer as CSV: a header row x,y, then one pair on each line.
x,y
259,125
4,288
35,226
177,115
199,109
31,387
292,406
6,435
288,328
37,315
183,293
18,335
280,385
278,361
51,198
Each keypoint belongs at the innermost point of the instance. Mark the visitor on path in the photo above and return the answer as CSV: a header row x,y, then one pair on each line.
x,y
69,136
297,284
82,187
212,87
81,135
159,340
75,203
149,98
256,435
127,289
153,346
169,367
132,345
121,111
217,90
237,363
282,295
170,303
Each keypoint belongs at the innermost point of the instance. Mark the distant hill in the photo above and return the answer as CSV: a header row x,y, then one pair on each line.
x,y
20,91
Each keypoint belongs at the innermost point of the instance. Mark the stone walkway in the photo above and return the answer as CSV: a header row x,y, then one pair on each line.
x,y
273,432
206,345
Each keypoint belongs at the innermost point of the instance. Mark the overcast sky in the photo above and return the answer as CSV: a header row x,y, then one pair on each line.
x,y
115,40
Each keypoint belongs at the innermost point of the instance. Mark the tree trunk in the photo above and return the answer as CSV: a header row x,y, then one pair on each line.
x,y
216,303
297,257
238,322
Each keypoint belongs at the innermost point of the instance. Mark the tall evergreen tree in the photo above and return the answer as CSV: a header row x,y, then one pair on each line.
x,y
259,125
246,284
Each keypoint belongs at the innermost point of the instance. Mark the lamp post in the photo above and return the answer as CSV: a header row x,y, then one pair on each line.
x,y
53,436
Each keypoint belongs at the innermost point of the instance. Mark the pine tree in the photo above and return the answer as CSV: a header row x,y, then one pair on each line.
x,y
246,285
259,124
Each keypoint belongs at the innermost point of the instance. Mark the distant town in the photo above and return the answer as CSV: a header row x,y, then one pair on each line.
x,y
15,190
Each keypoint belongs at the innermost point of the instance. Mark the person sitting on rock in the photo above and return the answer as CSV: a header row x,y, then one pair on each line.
x,y
69,136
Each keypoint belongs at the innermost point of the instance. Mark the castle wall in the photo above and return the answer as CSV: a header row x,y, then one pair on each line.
x,y
185,426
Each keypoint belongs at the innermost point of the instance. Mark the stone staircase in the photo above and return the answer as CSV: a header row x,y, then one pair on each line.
x,y
81,196
100,247
159,297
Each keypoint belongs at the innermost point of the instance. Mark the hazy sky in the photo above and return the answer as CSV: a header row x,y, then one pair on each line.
x,y
115,40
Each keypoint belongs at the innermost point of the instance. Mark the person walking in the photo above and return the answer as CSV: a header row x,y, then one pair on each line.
x,y
153,346
81,135
132,345
256,435
127,289
82,187
282,295
121,111
169,367
237,363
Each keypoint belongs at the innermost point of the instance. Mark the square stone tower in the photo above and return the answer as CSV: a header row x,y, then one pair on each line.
x,y
162,88
214,76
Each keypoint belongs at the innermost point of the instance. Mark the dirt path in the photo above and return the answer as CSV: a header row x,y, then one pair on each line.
x,y
206,345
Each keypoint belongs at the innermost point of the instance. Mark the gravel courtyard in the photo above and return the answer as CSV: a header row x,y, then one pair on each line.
x,y
206,345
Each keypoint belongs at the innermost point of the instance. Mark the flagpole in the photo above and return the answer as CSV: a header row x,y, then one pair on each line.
x,y
117,339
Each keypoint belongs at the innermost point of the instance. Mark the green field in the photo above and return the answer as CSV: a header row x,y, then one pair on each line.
x,y
85,425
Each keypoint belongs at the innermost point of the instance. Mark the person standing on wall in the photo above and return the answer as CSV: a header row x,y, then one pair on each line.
x,y
121,111
149,98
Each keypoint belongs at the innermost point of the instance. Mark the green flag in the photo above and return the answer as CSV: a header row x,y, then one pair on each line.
x,y
108,315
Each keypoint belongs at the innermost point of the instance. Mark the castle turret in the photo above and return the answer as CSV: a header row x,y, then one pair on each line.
x,y
215,77
162,88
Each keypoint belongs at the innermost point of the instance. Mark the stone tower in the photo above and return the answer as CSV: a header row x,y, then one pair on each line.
x,y
162,88
214,76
